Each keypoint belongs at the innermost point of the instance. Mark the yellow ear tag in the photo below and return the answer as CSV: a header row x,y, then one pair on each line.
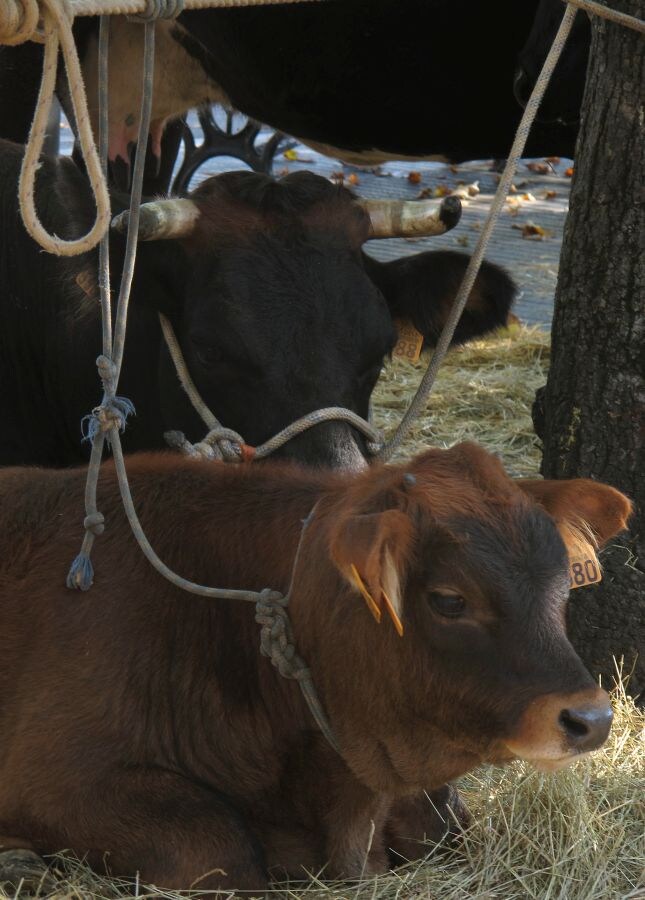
x,y
584,570
410,341
395,619
367,597
584,567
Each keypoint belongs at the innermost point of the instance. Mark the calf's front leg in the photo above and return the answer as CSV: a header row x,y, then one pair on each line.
x,y
429,818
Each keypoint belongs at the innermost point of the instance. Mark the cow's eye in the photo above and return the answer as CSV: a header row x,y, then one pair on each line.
x,y
451,606
207,355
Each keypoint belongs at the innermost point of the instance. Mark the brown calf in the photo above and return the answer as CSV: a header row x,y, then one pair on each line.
x,y
140,725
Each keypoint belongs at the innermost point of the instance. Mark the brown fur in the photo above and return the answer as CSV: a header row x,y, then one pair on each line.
x,y
139,725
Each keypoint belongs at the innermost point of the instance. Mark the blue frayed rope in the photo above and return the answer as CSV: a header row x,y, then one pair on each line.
x,y
110,412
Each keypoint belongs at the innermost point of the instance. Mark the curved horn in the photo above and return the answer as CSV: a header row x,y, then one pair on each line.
x,y
411,218
161,219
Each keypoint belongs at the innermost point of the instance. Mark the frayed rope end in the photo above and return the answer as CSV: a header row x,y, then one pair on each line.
x,y
103,417
81,573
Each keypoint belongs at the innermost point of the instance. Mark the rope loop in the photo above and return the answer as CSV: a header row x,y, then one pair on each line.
x,y
18,21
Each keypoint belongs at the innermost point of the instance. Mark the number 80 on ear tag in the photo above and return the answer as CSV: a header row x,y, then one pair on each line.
x,y
583,572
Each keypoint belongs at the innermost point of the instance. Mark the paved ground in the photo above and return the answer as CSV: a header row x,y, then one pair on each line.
x,y
541,198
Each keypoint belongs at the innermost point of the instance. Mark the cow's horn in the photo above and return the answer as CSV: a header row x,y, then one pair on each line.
x,y
161,219
411,218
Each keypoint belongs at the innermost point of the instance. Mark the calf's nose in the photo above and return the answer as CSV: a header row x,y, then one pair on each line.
x,y
586,727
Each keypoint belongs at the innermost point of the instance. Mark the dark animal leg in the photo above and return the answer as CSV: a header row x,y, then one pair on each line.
x,y
416,822
175,833
22,868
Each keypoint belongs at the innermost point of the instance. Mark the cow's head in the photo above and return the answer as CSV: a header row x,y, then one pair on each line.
x,y
563,96
278,310
430,606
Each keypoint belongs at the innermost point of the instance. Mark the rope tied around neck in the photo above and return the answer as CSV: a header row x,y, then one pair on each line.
x,y
277,644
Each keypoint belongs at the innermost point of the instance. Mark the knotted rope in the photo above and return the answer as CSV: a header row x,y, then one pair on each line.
x,y
223,443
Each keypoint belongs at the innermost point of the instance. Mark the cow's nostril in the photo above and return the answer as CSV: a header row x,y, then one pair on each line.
x,y
586,728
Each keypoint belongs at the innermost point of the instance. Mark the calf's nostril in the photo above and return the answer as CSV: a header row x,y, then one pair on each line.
x,y
586,728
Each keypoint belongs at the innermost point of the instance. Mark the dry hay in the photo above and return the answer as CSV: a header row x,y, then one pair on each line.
x,y
575,835
483,393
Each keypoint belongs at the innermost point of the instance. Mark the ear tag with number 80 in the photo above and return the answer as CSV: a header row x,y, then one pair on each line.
x,y
583,571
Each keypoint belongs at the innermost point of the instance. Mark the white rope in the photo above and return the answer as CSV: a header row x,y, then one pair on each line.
x,y
58,28
606,12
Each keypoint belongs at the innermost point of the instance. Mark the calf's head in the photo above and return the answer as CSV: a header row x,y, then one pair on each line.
x,y
278,310
430,606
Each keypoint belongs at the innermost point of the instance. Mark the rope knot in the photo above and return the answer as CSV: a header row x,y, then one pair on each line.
x,y
220,444
94,522
111,413
158,9
107,374
276,636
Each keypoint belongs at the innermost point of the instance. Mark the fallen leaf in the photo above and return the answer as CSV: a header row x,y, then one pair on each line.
x,y
529,198
466,191
338,177
532,231
414,177
539,168
569,172
353,179
290,154
550,195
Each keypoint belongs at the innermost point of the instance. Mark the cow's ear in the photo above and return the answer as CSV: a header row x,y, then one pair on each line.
x,y
371,552
421,289
582,506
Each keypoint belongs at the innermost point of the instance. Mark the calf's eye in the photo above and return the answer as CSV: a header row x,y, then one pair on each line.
x,y
450,606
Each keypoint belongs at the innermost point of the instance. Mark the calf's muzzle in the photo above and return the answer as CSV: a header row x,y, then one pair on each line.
x,y
556,728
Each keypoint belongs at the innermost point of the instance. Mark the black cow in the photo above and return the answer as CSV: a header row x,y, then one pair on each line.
x,y
277,309
362,79
563,97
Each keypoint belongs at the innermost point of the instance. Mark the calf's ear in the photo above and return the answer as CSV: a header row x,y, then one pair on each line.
x,y
371,553
421,289
580,503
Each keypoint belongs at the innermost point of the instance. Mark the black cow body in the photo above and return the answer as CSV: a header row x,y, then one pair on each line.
x,y
277,309
362,79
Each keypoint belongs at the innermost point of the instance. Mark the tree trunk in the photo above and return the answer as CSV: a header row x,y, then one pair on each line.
x,y
594,405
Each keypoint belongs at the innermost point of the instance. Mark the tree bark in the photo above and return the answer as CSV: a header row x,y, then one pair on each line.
x,y
594,404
